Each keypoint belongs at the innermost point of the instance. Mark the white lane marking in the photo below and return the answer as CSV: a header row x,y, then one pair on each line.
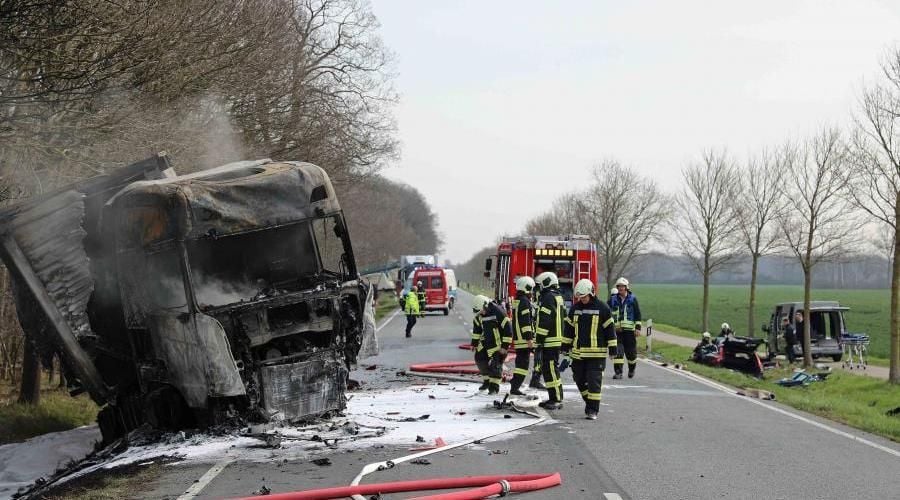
x,y
385,322
612,496
730,391
205,479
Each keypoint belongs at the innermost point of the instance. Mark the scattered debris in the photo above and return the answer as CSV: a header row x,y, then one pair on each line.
x,y
420,461
431,396
321,462
802,378
371,367
263,490
499,452
756,393
420,439
438,443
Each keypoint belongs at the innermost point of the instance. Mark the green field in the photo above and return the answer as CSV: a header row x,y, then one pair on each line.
x,y
679,305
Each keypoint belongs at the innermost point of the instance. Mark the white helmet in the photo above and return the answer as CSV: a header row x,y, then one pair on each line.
x,y
623,281
479,303
547,279
525,284
613,291
726,326
584,287
706,335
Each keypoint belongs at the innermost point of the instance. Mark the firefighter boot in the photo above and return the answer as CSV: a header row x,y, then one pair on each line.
x,y
536,382
514,387
631,367
485,385
551,405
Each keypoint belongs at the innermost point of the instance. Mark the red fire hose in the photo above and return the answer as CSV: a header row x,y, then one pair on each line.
x,y
456,367
485,486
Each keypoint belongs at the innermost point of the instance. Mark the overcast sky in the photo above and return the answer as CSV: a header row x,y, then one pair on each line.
x,y
506,105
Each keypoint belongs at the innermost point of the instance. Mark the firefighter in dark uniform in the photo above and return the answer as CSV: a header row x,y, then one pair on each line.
x,y
496,337
476,338
523,332
588,337
549,333
627,316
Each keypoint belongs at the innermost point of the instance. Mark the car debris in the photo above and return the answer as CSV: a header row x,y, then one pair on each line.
x,y
321,462
183,301
802,378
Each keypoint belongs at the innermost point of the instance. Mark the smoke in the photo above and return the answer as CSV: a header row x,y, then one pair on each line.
x,y
214,292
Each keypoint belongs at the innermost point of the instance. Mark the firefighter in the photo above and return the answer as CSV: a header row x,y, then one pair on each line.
x,y
496,337
476,338
411,308
523,332
421,296
627,314
536,377
589,334
549,333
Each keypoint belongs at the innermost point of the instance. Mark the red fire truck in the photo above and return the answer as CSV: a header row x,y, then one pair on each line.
x,y
571,257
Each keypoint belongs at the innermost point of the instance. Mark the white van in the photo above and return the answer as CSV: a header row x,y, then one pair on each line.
x,y
451,285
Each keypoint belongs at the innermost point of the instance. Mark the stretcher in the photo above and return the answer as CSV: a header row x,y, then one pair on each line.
x,y
855,348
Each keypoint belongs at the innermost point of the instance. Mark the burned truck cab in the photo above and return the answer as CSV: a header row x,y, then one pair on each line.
x,y
238,290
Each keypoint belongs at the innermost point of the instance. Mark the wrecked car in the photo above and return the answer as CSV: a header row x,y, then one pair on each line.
x,y
227,294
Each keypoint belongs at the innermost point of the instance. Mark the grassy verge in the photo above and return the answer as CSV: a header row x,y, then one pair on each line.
x,y
858,401
122,482
57,411
387,303
681,332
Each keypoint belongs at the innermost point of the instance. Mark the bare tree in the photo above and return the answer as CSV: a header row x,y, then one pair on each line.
x,y
706,221
818,223
621,212
563,217
876,178
761,203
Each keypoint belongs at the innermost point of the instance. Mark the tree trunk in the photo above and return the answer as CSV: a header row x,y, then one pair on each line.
x,y
894,376
31,375
807,345
51,370
62,376
705,300
751,327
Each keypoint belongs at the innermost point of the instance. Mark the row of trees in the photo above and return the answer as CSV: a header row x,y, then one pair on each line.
x,y
815,199
91,85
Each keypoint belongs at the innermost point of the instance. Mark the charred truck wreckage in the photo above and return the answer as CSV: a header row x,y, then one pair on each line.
x,y
226,295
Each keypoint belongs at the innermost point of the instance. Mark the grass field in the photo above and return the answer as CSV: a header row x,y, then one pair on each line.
x,y
679,305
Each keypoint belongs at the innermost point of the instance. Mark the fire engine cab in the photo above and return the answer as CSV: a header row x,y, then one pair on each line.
x,y
571,257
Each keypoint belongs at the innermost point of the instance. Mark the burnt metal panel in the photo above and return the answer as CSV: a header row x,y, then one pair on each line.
x,y
305,388
197,356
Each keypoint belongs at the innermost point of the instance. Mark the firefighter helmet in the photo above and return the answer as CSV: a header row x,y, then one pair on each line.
x,y
706,335
479,303
613,291
584,287
525,284
547,279
623,281
726,327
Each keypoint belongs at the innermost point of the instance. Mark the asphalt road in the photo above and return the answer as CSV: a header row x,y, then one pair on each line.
x,y
660,435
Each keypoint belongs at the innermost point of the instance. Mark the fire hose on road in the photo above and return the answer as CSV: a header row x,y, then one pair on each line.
x,y
484,486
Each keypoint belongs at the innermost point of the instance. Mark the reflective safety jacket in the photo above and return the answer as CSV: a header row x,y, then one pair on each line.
x,y
476,331
589,330
625,312
496,332
550,316
412,304
522,320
